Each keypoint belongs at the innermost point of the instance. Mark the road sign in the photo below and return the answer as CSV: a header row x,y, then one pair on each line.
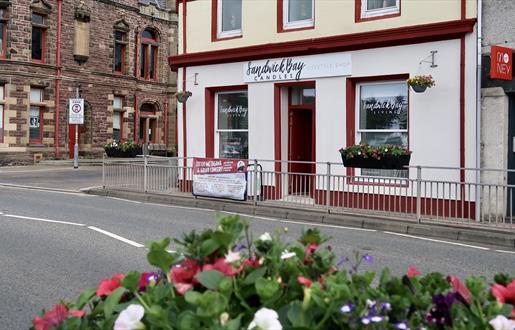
x,y
76,113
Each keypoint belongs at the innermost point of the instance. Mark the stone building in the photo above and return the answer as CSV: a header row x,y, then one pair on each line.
x,y
113,53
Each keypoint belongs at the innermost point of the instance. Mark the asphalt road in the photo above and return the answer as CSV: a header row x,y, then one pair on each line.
x,y
42,262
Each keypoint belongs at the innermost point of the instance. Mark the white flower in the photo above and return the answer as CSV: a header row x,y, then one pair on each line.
x,y
265,237
130,318
502,323
266,319
232,257
286,254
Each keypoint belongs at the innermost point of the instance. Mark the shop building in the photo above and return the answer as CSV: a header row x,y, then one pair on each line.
x,y
293,80
113,54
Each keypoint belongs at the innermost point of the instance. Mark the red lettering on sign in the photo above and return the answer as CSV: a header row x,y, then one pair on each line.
x,y
501,63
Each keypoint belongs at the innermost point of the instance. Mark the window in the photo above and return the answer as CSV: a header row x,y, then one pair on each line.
x,y
298,13
117,118
147,123
375,8
38,37
383,118
2,113
4,20
148,55
228,18
232,128
120,42
36,116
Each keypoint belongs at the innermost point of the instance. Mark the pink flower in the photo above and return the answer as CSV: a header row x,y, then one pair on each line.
x,y
413,271
107,286
77,313
459,287
183,275
505,294
304,281
51,319
311,248
145,279
223,267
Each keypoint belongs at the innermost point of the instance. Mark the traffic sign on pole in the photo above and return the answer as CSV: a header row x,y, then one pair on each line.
x,y
76,113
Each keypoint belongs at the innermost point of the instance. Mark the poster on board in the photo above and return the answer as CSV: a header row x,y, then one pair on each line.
x,y
220,178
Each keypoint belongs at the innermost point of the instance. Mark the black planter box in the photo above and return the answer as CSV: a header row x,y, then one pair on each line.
x,y
117,153
387,162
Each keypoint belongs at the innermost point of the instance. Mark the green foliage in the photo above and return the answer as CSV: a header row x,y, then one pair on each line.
x,y
366,151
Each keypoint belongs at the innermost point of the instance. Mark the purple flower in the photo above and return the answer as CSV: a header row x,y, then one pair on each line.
x,y
440,313
386,307
401,326
376,319
347,308
365,320
341,262
239,247
368,258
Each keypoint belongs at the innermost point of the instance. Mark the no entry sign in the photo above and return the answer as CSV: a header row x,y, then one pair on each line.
x,y
76,113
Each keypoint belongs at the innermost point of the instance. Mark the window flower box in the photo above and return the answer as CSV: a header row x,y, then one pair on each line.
x,y
127,149
382,157
420,83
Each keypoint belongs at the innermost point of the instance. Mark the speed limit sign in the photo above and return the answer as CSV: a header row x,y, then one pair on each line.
x,y
76,112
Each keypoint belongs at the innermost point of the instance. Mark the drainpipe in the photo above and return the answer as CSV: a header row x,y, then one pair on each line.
x,y
136,140
478,107
165,135
58,80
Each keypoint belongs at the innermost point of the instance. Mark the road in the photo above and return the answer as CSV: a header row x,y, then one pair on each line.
x,y
53,245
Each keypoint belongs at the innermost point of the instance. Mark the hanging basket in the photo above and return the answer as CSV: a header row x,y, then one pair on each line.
x,y
183,97
418,88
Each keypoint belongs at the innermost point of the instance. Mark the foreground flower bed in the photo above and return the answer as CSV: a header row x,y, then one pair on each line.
x,y
223,279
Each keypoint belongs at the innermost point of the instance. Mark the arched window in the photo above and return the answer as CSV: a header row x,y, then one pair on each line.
x,y
120,43
148,55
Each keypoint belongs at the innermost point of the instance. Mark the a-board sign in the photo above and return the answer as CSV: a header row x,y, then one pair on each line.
x,y
221,178
76,111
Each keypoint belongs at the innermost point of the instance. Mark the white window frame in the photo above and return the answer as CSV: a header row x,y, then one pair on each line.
x,y
297,24
359,131
226,34
379,12
218,131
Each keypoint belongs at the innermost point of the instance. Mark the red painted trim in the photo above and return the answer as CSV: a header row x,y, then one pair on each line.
x,y
43,46
122,66
185,136
2,116
136,53
136,119
359,19
209,115
277,127
355,41
5,22
462,108
184,39
214,24
58,79
351,106
280,20
464,9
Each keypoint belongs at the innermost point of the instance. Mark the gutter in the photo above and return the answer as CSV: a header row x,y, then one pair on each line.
x,y
478,107
58,79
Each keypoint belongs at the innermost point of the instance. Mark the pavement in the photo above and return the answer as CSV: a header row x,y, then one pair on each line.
x,y
60,175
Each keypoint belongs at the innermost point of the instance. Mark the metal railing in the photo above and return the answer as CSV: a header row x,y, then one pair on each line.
x,y
416,193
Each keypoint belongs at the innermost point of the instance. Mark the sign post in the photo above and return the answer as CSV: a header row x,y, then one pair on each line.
x,y
76,116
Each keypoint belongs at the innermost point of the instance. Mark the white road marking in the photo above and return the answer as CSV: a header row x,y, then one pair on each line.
x,y
124,200
45,189
182,207
299,222
40,170
120,238
438,241
43,220
504,251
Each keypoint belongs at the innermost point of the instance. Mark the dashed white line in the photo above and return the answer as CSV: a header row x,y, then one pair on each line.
x,y
120,238
42,220
438,241
504,251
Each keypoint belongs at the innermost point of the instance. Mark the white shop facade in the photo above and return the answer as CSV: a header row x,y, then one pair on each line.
x,y
307,107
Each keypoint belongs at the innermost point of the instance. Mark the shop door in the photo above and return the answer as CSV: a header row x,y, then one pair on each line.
x,y
511,156
147,130
300,149
71,139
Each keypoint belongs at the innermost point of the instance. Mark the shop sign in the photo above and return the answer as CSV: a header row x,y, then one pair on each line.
x,y
221,178
297,68
501,63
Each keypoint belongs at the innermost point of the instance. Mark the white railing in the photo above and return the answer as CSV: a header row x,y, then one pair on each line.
x,y
417,193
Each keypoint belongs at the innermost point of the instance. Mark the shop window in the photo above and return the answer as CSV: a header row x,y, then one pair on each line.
x,y
232,125
36,116
383,119
378,8
2,93
38,37
120,43
117,118
229,18
298,13
148,55
4,20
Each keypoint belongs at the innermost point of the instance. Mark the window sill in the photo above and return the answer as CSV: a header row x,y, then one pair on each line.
x,y
378,17
218,38
36,145
294,29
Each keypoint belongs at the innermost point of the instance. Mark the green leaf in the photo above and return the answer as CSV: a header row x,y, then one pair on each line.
x,y
112,300
187,321
234,324
212,304
297,316
225,286
210,278
208,247
254,275
158,256
130,281
266,289
192,297
85,297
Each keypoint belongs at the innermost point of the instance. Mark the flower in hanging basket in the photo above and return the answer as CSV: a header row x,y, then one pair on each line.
x,y
420,83
385,156
182,96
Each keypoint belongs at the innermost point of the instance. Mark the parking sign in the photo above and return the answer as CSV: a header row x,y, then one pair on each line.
x,y
76,113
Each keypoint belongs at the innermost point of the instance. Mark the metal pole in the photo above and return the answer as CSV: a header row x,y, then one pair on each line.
x,y
103,172
76,146
145,168
419,192
328,192
254,188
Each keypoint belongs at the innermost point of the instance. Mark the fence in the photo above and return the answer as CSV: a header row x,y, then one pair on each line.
x,y
416,193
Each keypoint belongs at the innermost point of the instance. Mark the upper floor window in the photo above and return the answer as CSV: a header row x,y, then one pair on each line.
x,y
229,18
120,43
375,8
298,13
38,37
4,20
148,55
